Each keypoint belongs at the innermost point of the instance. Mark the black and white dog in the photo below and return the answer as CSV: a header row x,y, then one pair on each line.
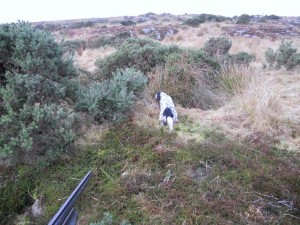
x,y
168,114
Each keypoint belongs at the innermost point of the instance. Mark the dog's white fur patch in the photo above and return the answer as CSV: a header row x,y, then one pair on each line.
x,y
165,101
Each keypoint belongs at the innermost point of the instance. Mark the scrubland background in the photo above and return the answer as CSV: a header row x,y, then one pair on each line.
x,y
79,96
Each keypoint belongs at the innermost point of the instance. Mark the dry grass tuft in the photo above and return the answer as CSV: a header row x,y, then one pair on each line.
x,y
261,103
269,104
88,57
147,113
234,78
92,135
192,37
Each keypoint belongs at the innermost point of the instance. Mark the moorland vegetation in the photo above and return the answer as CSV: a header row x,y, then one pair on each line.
x,y
234,155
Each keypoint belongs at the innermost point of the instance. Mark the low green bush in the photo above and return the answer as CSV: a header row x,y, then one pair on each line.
x,y
241,58
202,18
127,23
244,19
217,46
37,90
285,56
142,54
112,99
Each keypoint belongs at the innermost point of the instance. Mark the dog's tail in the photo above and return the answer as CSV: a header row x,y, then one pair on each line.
x,y
170,123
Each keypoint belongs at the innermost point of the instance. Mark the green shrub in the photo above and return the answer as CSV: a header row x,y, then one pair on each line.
x,y
244,19
142,54
32,133
217,47
112,99
195,21
82,24
286,56
273,17
25,50
202,18
36,95
127,23
241,58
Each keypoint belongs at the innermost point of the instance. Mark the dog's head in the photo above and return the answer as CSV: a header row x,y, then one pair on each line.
x,y
157,96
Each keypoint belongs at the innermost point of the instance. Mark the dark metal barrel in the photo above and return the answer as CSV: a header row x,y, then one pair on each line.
x,y
67,215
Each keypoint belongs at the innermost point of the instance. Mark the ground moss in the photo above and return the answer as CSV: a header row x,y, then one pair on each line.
x,y
146,176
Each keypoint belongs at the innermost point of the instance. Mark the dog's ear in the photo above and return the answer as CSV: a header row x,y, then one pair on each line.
x,y
157,96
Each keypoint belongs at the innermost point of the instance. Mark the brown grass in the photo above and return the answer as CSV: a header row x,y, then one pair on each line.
x,y
269,104
195,37
87,58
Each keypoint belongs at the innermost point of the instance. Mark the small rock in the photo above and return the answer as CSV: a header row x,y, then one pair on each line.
x,y
125,174
37,208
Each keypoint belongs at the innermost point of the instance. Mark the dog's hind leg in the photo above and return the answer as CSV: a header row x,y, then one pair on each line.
x,y
170,123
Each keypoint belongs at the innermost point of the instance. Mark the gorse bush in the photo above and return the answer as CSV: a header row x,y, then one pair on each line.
x,y
127,23
112,99
202,18
217,47
25,50
286,56
243,19
142,54
36,95
34,135
241,58
264,19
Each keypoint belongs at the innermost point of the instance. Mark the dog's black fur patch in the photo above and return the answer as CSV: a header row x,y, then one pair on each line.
x,y
168,113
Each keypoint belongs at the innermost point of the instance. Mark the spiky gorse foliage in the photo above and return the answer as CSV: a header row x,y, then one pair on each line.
x,y
244,19
202,18
142,54
112,99
36,83
285,56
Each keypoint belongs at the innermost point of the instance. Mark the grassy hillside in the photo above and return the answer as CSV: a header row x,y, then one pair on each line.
x,y
234,156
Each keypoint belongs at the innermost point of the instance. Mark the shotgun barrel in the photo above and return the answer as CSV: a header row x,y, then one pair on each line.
x,y
67,215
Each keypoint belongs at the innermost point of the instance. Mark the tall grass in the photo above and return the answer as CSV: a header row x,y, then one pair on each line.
x,y
262,105
87,59
234,78
256,101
